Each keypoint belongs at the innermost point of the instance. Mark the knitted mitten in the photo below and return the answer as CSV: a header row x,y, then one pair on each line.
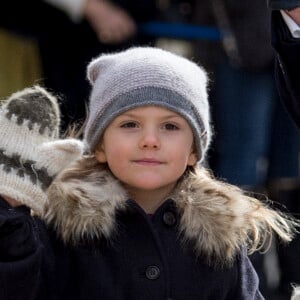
x,y
30,153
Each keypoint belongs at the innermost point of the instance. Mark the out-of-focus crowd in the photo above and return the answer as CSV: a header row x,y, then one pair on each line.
x,y
256,145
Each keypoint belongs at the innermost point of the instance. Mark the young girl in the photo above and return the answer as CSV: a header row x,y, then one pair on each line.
x,y
138,216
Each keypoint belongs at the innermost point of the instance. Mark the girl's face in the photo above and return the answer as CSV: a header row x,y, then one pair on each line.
x,y
147,148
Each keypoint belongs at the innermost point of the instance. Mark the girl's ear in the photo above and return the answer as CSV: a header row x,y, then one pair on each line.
x,y
192,160
100,154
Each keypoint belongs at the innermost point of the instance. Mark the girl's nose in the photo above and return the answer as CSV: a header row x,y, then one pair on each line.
x,y
149,140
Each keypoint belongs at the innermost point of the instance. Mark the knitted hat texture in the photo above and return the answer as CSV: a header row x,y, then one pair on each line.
x,y
144,76
30,155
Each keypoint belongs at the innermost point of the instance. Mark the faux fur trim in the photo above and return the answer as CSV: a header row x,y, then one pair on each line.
x,y
217,217
83,200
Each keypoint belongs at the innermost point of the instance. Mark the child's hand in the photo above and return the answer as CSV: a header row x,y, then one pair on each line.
x,y
111,23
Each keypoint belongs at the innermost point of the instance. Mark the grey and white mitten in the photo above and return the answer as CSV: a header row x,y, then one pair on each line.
x,y
31,154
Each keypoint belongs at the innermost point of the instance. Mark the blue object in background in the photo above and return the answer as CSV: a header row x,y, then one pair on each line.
x,y
181,31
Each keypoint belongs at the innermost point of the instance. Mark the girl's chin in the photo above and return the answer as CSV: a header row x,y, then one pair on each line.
x,y
149,186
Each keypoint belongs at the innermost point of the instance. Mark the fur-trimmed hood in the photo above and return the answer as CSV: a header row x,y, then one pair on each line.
x,y
217,217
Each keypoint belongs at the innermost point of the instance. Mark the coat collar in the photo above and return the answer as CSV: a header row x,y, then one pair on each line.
x,y
217,219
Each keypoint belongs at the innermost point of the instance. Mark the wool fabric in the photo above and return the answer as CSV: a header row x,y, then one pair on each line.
x,y
142,76
30,152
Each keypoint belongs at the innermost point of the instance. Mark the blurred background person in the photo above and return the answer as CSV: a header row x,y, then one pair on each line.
x,y
256,145
286,42
67,34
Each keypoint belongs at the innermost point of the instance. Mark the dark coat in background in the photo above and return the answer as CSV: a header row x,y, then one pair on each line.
x,y
189,249
253,45
287,71
283,4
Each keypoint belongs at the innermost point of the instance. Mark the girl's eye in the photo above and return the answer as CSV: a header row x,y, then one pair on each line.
x,y
170,126
129,125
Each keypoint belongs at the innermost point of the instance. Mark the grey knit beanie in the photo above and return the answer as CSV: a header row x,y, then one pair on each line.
x,y
30,152
144,76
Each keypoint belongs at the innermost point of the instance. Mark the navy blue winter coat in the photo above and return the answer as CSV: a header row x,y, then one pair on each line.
x,y
143,260
100,246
